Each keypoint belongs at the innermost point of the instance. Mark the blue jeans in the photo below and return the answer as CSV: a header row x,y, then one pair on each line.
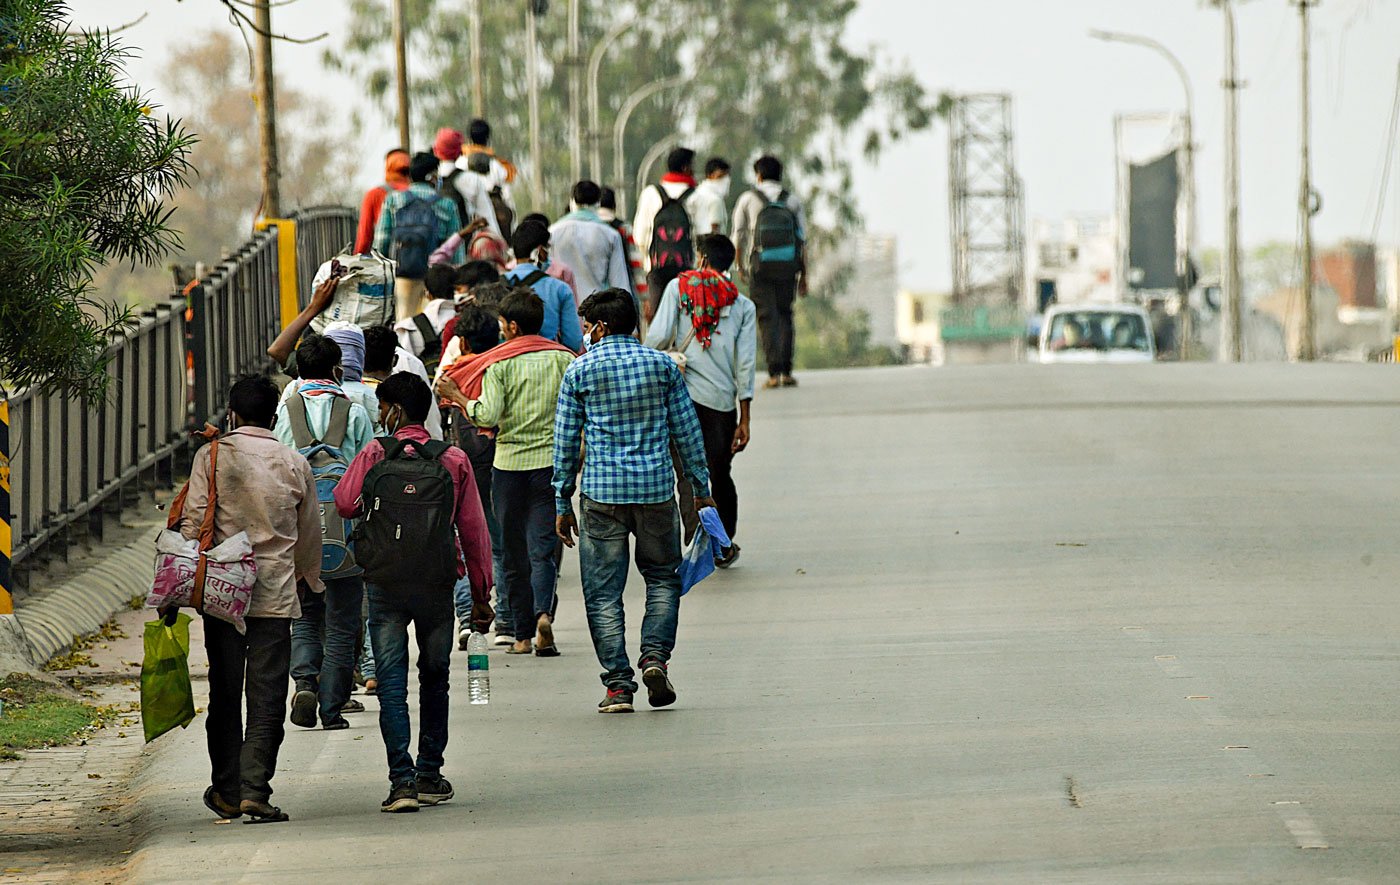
x,y
524,501
603,554
430,612
324,643
462,593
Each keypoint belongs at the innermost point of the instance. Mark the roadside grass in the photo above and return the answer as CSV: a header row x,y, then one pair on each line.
x,y
36,715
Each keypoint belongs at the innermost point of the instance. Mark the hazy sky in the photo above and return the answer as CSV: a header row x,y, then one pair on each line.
x,y
1066,88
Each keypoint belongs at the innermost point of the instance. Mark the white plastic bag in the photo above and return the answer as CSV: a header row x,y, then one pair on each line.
x,y
364,296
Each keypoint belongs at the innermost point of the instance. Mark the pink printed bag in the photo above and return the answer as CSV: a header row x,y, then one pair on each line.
x,y
212,580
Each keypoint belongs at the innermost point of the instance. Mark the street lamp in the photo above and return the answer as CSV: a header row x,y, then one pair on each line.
x,y
1183,260
620,129
595,63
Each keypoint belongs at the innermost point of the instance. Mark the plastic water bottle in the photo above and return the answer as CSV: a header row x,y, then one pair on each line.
x,y
478,669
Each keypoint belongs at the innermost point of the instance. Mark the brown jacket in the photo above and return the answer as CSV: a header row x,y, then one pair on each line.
x,y
266,490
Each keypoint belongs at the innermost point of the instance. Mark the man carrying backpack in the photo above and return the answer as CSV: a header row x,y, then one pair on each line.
x,y
423,528
413,223
665,228
769,237
321,423
421,334
607,210
395,179
499,173
456,181
531,247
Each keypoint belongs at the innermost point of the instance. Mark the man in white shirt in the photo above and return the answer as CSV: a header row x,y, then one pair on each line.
x,y
709,208
468,189
589,245
664,261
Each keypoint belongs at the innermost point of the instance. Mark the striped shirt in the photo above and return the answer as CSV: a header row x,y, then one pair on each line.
x,y
626,403
518,397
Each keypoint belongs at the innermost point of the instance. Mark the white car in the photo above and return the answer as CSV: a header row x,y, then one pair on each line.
x,y
1101,333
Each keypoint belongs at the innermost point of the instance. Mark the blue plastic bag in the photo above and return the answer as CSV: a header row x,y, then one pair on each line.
x,y
709,543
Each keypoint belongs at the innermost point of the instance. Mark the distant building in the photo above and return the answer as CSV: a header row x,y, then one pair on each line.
x,y
1073,262
917,324
873,284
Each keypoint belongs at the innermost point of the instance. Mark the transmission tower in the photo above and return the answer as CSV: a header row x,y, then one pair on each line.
x,y
985,202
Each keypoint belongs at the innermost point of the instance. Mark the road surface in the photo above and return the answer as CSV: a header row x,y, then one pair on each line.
x,y
1055,624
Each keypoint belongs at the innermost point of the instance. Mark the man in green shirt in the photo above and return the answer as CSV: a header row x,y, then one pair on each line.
x,y
518,397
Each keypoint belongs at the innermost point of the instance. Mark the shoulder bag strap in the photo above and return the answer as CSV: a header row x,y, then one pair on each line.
x,y
301,422
206,529
425,328
339,426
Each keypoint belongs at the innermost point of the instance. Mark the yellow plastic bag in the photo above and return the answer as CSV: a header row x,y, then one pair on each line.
x,y
167,698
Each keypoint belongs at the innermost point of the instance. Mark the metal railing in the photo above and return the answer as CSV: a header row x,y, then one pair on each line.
x,y
170,373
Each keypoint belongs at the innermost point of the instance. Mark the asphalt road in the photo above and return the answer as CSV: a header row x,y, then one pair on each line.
x,y
1054,624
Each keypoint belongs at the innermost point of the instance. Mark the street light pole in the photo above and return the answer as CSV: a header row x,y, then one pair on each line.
x,y
575,97
595,126
401,54
1188,238
1307,334
1231,343
620,131
532,79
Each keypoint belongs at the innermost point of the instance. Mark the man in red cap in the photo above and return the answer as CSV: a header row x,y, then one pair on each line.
x,y
469,190
395,179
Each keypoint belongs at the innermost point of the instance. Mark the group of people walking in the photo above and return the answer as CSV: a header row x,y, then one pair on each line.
x,y
410,468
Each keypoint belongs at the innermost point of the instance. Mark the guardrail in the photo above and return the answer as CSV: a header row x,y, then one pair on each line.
x,y
170,373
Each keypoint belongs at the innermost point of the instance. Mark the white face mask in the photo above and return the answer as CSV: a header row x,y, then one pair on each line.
x,y
721,185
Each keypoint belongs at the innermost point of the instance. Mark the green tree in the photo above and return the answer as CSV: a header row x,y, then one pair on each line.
x,y
761,77
86,170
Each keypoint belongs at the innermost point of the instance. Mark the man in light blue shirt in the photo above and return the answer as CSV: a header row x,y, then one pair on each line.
x,y
530,243
703,316
589,245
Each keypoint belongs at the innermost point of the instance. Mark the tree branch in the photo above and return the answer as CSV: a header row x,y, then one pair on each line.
x,y
241,19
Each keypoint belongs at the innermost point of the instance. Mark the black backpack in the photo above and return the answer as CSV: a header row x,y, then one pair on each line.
x,y
448,188
431,354
505,216
672,235
777,241
407,538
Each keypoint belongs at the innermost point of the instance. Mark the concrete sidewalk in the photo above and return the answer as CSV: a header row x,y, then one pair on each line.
x,y
1100,624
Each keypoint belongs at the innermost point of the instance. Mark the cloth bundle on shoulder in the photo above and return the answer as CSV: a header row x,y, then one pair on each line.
x,y
365,294
217,581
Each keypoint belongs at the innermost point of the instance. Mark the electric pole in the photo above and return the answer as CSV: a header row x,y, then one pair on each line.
x,y
401,51
575,97
532,82
1231,344
478,84
1307,334
266,92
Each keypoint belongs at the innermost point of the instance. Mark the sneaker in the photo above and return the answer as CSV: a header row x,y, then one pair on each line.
x,y
463,637
660,692
731,556
353,706
503,639
402,798
304,705
618,700
433,789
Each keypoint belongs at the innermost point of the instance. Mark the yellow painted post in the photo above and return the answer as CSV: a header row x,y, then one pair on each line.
x,y
7,605
286,265
1396,347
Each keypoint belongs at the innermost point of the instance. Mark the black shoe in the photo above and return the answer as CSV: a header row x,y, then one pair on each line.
x,y
618,700
660,692
731,556
336,724
304,705
433,789
401,799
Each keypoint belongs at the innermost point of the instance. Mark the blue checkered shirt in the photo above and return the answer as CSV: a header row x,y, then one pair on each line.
x,y
625,403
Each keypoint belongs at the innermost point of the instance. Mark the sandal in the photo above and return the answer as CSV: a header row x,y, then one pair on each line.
x,y
547,651
215,803
262,813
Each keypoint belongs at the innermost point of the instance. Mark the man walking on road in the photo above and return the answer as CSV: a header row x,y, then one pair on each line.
x,y
424,564
395,179
268,493
323,637
665,226
514,387
531,247
585,242
710,207
703,316
628,404
769,234
412,224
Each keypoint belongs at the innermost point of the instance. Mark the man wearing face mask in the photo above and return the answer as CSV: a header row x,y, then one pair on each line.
x,y
531,246
586,243
709,207
324,647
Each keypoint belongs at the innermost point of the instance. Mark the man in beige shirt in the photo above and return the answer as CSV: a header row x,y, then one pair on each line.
x,y
265,489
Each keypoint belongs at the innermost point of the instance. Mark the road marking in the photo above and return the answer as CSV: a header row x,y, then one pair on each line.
x,y
1304,831
1171,666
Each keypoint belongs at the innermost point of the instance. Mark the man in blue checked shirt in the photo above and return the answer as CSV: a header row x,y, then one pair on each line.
x,y
627,404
